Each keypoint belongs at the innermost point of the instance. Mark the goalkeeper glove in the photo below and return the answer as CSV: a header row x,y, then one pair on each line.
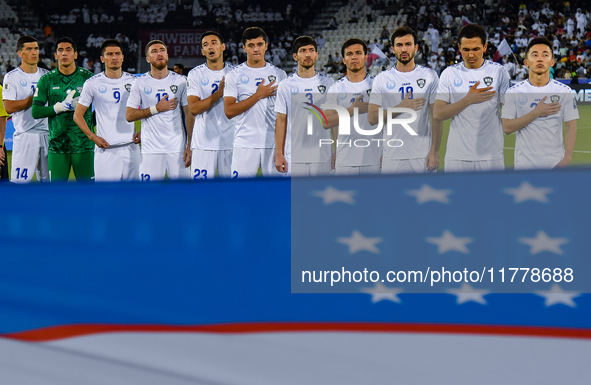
x,y
69,103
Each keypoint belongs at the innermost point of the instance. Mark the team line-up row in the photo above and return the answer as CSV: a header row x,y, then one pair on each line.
x,y
232,121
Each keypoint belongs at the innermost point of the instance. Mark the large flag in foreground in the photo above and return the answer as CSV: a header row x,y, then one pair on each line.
x,y
191,284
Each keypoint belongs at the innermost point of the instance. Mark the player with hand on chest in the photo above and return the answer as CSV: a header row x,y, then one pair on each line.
x,y
158,93
249,97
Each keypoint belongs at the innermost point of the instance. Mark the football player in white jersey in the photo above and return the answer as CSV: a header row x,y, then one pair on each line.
x,y
536,108
249,96
357,152
155,98
116,156
470,94
298,152
411,86
30,148
213,132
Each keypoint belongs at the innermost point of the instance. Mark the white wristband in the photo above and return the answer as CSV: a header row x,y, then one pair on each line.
x,y
153,110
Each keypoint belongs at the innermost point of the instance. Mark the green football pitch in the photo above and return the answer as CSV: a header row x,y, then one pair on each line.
x,y
581,156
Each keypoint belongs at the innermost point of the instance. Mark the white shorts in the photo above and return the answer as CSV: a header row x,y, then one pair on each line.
x,y
205,164
404,166
154,166
477,165
246,162
117,163
29,156
357,170
311,169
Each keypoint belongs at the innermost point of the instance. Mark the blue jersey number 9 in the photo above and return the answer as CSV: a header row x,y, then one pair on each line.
x,y
117,96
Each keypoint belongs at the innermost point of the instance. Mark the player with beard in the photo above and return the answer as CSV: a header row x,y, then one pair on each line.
x,y
536,108
116,156
29,147
412,86
213,132
296,152
155,99
475,141
356,153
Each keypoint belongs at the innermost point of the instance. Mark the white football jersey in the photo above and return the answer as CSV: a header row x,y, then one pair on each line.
x,y
476,133
212,129
389,89
296,96
109,98
19,85
540,143
164,132
255,128
352,150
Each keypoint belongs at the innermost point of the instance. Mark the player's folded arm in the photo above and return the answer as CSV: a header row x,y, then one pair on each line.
x,y
40,111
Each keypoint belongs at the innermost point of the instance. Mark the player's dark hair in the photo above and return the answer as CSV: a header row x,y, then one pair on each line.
x,y
65,40
214,33
470,31
182,67
351,42
110,43
147,49
539,40
253,33
24,40
303,41
403,31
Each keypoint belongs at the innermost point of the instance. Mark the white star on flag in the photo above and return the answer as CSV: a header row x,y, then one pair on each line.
x,y
542,242
527,192
448,242
381,292
556,295
332,195
427,194
467,293
358,242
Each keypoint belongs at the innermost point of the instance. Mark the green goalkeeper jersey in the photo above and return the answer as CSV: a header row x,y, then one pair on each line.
x,y
64,135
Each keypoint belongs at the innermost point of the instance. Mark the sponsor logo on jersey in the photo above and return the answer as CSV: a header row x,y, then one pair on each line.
x,y
244,79
342,96
488,81
322,89
522,100
294,90
204,81
174,88
23,82
128,87
391,85
147,90
7,87
458,82
272,78
421,83
55,88
102,89
554,98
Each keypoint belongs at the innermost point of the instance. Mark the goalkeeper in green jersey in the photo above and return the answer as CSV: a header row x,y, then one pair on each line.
x,y
56,98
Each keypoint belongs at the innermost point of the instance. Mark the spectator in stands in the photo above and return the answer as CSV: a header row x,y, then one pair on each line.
x,y
333,24
354,18
385,34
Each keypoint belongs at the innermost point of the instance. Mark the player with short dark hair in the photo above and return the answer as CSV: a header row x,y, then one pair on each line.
x,y
536,108
29,146
475,141
116,156
249,96
56,97
179,68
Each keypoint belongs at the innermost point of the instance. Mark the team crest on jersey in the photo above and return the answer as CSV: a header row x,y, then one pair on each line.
x,y
458,82
554,98
204,81
147,90
322,89
23,82
79,90
368,92
272,78
174,88
421,83
102,89
244,79
488,81
391,85
128,87
522,100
